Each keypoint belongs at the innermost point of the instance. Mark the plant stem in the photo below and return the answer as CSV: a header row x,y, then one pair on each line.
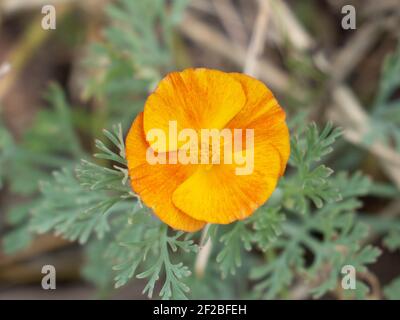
x,y
204,253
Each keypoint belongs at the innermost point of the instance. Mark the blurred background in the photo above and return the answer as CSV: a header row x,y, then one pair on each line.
x,y
59,88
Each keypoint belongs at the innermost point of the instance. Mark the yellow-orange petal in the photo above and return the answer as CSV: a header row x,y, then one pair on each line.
x,y
217,195
263,114
155,184
194,98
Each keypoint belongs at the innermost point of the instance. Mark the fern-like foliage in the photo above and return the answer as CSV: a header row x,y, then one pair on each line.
x,y
6,149
151,253
320,223
260,230
311,214
51,143
97,200
137,50
77,203
385,124
392,291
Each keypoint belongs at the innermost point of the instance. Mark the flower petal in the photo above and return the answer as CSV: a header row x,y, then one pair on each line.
x,y
155,184
217,195
194,98
263,114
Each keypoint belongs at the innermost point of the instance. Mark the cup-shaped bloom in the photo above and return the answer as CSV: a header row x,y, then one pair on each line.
x,y
191,179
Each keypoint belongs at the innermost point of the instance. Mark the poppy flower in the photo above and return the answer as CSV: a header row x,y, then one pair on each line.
x,y
186,196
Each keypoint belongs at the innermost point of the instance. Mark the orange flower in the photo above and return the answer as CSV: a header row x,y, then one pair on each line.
x,y
187,196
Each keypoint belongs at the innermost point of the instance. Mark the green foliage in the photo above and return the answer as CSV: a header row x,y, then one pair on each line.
x,y
324,230
260,230
153,247
143,237
392,291
311,181
6,150
390,80
267,223
386,109
16,217
234,240
136,52
307,228
98,200
98,269
18,238
69,210
76,205
50,143
392,241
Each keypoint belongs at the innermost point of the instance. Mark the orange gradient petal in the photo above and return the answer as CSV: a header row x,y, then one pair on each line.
x,y
194,98
263,114
217,195
155,184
